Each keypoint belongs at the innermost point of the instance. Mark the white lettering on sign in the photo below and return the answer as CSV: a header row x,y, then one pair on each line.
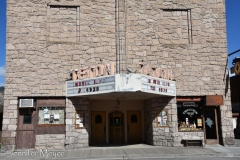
x,y
190,112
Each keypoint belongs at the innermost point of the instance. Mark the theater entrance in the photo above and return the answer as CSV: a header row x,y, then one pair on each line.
x,y
116,128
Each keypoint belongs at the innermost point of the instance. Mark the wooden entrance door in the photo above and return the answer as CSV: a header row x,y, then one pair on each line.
x,y
134,127
211,126
26,128
116,128
98,130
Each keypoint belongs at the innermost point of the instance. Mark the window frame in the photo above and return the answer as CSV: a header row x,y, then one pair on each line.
x,y
77,126
157,119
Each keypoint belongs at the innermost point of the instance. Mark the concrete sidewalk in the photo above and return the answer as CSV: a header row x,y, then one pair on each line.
x,y
126,152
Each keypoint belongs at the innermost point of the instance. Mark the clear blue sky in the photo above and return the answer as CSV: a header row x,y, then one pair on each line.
x,y
2,40
233,32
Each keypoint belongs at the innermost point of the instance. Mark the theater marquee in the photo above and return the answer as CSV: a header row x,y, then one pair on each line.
x,y
121,83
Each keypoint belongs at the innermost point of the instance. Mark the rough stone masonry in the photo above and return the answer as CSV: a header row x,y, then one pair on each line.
x,y
48,38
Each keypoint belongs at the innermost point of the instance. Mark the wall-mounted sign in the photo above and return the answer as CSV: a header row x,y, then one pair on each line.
x,y
108,69
79,119
236,68
199,122
188,99
190,112
121,83
162,118
188,104
214,100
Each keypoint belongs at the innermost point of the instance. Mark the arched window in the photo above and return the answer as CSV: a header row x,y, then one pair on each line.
x,y
98,119
133,118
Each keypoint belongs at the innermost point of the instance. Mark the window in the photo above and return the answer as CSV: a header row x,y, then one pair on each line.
x,y
133,118
189,116
162,118
51,115
177,28
98,119
64,24
80,119
27,118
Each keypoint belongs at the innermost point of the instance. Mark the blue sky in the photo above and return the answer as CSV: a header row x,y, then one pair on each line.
x,y
233,32
2,40
233,28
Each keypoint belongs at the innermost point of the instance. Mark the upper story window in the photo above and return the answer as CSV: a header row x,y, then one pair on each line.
x,y
177,26
64,26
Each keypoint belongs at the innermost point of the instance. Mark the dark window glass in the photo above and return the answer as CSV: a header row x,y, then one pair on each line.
x,y
117,121
210,124
98,119
189,118
27,119
133,118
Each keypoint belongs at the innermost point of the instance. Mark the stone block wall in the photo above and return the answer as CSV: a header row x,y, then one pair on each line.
x,y
227,133
39,61
160,136
50,141
76,138
1,98
64,24
187,36
48,38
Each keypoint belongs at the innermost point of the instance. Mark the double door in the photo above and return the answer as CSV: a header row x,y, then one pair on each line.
x,y
116,128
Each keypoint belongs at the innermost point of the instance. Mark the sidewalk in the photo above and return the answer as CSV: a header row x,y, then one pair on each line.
x,y
125,152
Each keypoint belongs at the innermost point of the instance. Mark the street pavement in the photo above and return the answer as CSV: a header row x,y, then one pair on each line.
x,y
140,151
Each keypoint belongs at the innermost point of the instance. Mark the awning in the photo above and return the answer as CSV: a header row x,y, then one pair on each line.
x,y
134,86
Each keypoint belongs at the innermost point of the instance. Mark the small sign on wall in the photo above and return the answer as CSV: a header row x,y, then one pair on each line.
x,y
199,122
79,119
162,118
214,100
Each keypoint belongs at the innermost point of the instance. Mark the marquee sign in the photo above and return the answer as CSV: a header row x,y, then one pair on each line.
x,y
121,83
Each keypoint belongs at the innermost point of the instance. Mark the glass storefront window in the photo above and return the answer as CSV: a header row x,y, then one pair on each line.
x,y
51,115
189,116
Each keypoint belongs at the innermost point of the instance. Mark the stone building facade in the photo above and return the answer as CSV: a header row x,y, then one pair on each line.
x,y
47,39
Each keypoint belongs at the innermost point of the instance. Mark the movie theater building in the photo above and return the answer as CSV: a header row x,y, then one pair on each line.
x,y
82,73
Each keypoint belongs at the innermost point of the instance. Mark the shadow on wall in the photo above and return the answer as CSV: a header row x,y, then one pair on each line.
x,y
1,110
154,134
77,123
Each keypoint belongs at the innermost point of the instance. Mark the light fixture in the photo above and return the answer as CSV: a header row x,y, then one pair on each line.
x,y
129,70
